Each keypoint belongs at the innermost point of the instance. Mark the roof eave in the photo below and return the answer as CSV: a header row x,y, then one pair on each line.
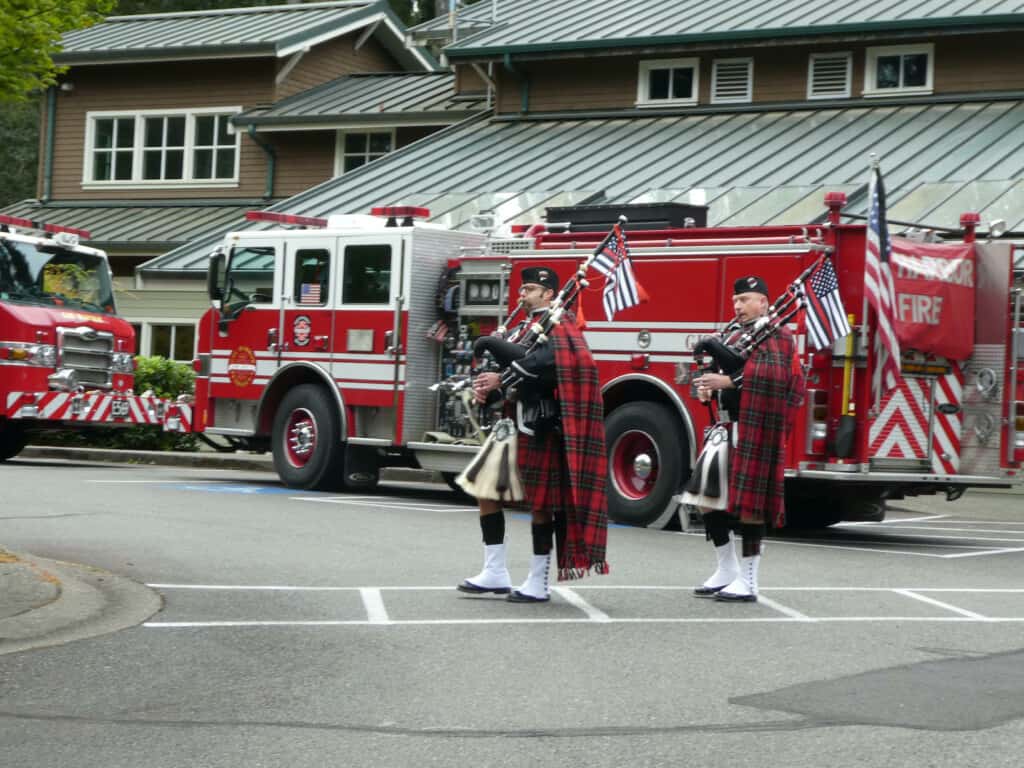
x,y
166,54
331,121
982,22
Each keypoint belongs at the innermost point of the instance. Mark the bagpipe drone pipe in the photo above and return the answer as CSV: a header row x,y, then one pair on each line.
x,y
493,473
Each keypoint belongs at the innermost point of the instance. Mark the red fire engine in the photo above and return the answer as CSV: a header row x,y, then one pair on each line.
x,y
66,359
324,343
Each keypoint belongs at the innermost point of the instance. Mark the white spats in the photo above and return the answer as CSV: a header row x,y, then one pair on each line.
x,y
536,588
744,587
494,577
727,570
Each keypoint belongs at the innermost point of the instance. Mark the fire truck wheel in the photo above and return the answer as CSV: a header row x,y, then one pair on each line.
x,y
645,464
306,441
12,439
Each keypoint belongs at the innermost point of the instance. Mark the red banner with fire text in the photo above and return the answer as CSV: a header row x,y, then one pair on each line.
x,y
934,297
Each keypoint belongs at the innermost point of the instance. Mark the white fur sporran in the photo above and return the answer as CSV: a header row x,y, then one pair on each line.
x,y
493,473
708,486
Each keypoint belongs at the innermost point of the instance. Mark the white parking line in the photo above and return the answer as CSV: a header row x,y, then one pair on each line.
x,y
889,522
377,613
373,601
940,604
573,599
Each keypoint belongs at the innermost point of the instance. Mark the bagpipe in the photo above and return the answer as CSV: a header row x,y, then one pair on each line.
x,y
731,347
493,473
729,351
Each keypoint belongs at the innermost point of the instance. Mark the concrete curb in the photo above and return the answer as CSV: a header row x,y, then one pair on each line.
x,y
89,602
256,462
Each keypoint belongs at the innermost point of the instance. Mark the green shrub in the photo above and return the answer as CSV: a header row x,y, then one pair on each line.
x,y
166,379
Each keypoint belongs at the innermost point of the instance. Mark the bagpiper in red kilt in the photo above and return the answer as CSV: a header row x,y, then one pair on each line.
x,y
564,472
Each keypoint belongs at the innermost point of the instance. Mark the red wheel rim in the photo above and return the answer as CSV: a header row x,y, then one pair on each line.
x,y
300,437
634,464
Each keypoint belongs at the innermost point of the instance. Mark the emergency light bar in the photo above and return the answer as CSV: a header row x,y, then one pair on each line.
x,y
397,211
286,218
42,226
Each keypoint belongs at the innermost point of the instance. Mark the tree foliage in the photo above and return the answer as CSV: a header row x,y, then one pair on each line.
x,y
19,150
30,33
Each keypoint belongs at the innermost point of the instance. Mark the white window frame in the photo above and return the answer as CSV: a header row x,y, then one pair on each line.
x,y
746,98
144,343
643,97
137,182
848,55
871,69
339,146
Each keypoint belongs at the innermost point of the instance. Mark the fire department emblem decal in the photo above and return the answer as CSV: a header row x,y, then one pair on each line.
x,y
300,330
242,367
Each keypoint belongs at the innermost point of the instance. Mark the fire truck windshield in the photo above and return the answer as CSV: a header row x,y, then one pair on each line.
x,y
54,276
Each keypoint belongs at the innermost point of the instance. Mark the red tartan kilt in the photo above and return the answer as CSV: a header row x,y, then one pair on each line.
x,y
542,471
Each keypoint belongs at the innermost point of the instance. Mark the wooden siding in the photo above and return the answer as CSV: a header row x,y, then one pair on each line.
x,y
177,85
333,59
468,81
303,160
963,64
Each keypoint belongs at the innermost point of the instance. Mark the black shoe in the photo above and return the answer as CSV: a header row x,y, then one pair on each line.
x,y
472,589
519,597
732,597
708,591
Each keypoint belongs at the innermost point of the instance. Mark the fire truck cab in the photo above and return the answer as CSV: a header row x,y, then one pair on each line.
x,y
326,343
66,358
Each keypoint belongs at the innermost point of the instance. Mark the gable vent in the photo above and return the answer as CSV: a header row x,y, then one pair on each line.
x,y
829,76
732,80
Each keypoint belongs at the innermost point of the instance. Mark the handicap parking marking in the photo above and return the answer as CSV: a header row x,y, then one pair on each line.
x,y
570,606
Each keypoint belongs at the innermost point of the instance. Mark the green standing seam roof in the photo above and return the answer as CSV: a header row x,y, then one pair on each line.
x,y
145,225
750,168
403,97
539,26
261,31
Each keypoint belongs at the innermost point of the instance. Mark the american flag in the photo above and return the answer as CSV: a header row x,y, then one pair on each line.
x,y
621,289
310,293
880,290
826,318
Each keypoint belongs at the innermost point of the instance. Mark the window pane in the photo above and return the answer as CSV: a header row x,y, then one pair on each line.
x,y
367,278
160,341
174,166
355,142
175,131
204,130
351,163
184,341
312,272
151,164
252,273
887,72
123,166
223,137
380,143
225,163
682,83
657,84
104,134
154,131
101,166
915,69
125,132
137,327
203,164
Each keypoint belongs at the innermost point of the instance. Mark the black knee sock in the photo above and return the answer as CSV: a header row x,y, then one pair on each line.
x,y
716,528
542,534
493,527
752,535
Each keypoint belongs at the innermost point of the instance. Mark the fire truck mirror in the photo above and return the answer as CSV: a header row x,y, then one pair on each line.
x,y
215,275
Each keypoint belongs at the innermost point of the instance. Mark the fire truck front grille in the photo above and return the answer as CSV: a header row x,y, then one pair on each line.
x,y
508,245
89,353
